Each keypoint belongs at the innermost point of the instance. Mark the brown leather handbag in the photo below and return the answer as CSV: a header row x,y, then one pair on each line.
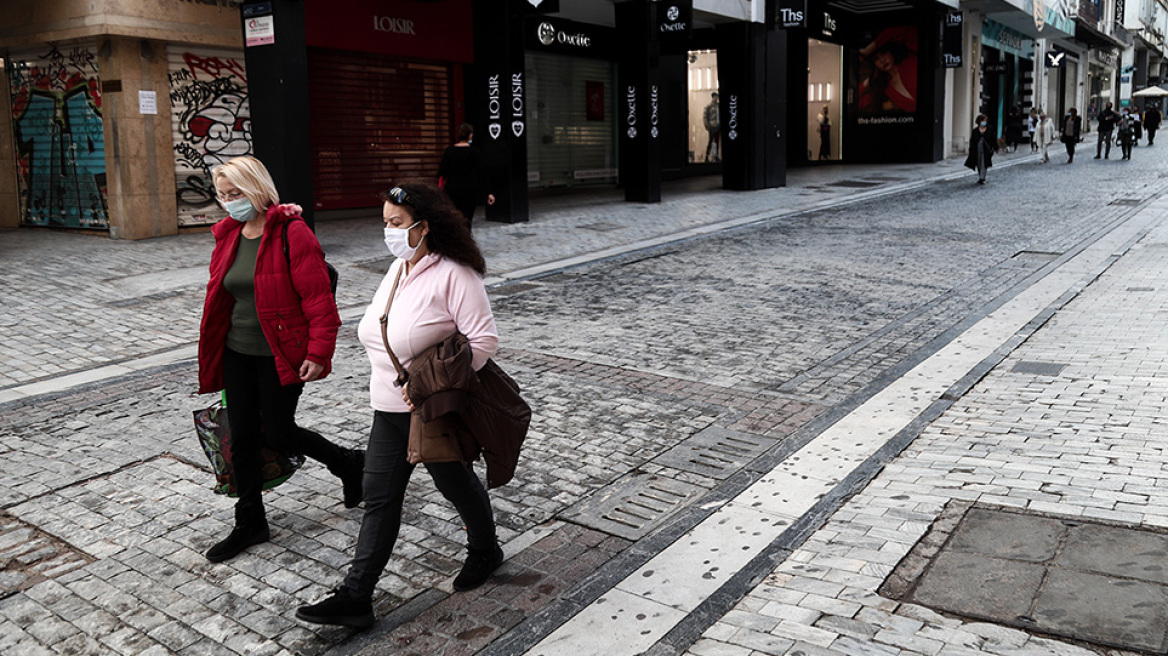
x,y
430,441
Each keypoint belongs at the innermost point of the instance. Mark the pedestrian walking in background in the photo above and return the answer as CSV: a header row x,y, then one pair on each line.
x,y
1044,132
710,118
437,289
1127,132
1137,126
824,121
1014,129
1072,132
461,174
1152,120
1107,119
269,326
1031,128
981,148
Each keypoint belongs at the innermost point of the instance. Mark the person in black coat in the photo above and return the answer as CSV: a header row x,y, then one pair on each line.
x,y
1152,122
1014,129
982,146
1072,132
461,175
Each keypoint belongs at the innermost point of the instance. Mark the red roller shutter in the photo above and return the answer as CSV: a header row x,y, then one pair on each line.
x,y
375,119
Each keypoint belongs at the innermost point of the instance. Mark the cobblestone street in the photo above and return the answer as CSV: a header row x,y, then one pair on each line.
x,y
699,350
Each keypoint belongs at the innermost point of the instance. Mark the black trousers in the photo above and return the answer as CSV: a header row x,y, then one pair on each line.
x,y
262,411
387,473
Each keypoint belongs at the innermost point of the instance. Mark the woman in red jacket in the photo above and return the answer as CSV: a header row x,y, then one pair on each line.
x,y
269,326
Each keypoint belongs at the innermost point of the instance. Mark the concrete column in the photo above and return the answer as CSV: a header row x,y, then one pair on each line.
x,y
9,193
138,147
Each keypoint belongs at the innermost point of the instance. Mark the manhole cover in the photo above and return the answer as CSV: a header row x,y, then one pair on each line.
x,y
635,507
1039,368
715,452
1098,583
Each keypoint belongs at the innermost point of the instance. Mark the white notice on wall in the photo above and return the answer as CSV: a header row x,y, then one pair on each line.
x,y
147,102
259,31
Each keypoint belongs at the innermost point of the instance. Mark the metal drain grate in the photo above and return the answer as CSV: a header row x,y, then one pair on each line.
x,y
855,184
1039,368
1126,201
32,556
715,452
635,507
601,226
1141,289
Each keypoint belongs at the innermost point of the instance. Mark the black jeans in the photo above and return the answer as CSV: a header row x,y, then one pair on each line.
x,y
387,472
261,412
1104,138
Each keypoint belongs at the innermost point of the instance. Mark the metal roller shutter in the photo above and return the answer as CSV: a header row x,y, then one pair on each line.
x,y
566,146
375,119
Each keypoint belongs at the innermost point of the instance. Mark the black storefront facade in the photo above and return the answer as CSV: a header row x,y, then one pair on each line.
x,y
874,70
554,102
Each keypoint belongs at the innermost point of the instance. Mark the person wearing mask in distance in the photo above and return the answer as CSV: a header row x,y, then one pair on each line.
x,y
981,148
269,326
437,288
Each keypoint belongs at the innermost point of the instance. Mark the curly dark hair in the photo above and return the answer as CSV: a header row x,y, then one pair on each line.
x,y
449,234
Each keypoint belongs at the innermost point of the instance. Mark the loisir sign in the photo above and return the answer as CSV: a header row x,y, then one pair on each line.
x,y
394,25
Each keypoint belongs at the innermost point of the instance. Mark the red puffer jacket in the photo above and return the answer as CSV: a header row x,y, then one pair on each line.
x,y
297,313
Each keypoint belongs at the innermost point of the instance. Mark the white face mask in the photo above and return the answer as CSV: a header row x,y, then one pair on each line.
x,y
398,242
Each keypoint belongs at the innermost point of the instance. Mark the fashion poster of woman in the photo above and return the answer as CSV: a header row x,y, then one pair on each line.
x,y
887,67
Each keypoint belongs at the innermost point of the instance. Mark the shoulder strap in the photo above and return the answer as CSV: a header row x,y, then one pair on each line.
x,y
403,376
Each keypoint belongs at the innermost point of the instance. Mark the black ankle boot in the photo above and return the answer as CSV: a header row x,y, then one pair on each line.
x,y
479,566
351,471
242,536
343,608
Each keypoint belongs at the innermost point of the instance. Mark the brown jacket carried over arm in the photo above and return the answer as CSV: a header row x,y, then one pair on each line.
x,y
487,402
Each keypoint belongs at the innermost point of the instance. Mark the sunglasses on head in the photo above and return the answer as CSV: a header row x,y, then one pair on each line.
x,y
399,196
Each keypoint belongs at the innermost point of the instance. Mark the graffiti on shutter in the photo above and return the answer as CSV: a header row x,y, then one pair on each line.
x,y
211,120
60,152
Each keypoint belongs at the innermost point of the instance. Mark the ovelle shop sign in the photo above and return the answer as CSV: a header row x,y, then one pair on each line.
x,y
674,19
563,37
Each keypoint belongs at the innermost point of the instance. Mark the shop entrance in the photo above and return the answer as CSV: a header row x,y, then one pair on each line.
x,y
825,65
705,133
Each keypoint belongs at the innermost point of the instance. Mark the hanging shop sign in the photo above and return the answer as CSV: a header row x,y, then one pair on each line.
x,y
952,35
1056,59
564,37
791,14
674,19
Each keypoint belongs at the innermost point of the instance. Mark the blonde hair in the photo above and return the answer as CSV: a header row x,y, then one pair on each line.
x,y
250,176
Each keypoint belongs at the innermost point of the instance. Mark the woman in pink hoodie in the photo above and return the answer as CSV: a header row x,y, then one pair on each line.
x,y
438,289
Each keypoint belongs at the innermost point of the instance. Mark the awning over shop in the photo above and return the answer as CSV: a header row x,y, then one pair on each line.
x,y
1094,37
1019,15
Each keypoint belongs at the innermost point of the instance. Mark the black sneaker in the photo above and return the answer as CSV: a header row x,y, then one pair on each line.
x,y
341,609
478,568
241,538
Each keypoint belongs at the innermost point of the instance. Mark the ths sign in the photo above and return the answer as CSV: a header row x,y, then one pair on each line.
x,y
952,35
791,13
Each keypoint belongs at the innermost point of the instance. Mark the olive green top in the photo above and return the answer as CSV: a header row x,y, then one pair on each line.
x,y
245,335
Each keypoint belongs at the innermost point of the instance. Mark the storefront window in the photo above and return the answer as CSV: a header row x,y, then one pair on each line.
x,y
571,131
704,132
824,104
